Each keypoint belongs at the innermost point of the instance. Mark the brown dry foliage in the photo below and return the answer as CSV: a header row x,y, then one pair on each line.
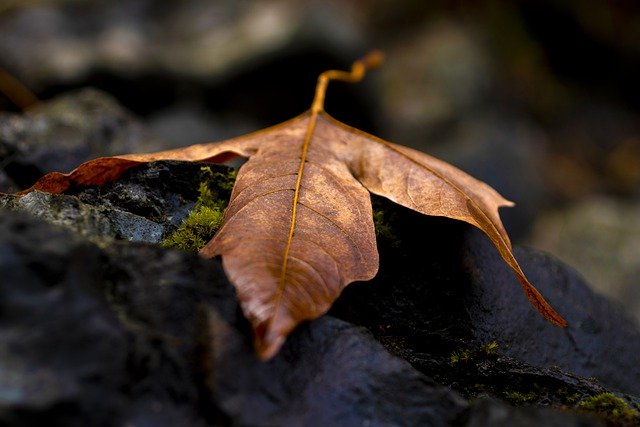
x,y
299,224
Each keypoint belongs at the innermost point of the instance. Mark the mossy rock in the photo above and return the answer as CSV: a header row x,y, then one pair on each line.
x,y
206,217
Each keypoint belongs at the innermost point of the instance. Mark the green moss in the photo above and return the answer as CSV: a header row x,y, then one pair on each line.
x,y
466,355
490,348
610,407
228,180
382,221
383,229
520,398
460,356
205,219
196,230
568,397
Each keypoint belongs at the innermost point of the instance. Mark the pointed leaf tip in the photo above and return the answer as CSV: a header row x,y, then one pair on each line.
x,y
538,301
267,342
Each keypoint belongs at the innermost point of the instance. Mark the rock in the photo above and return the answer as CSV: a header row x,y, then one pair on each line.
x,y
442,297
60,134
329,373
432,79
121,335
73,353
492,413
85,219
126,333
599,331
47,371
442,300
600,237
145,205
191,39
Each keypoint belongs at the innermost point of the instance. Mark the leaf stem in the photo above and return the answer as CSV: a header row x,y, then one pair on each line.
x,y
266,345
372,60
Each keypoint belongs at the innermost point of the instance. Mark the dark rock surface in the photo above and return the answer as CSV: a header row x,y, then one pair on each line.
x,y
452,294
144,205
73,352
329,373
600,342
139,334
130,332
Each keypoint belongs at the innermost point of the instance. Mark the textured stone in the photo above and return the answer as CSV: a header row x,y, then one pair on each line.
x,y
445,291
64,353
135,333
145,205
85,219
60,134
328,373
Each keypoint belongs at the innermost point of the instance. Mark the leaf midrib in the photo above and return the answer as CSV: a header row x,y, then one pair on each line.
x,y
277,299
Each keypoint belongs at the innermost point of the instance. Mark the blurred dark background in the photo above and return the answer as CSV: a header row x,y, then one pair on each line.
x,y
541,99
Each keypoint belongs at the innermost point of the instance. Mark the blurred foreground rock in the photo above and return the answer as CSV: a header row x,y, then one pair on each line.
x,y
141,335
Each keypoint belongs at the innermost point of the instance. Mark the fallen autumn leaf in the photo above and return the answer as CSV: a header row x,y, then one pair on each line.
x,y
299,227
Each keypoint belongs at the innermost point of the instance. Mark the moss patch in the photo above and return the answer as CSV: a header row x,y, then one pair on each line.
x,y
382,220
205,219
485,351
611,408
490,348
460,356
519,398
568,397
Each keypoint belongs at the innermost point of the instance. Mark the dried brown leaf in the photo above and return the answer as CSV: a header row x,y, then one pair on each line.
x,y
299,225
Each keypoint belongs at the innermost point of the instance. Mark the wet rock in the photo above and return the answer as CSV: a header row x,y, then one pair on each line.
x,y
62,133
